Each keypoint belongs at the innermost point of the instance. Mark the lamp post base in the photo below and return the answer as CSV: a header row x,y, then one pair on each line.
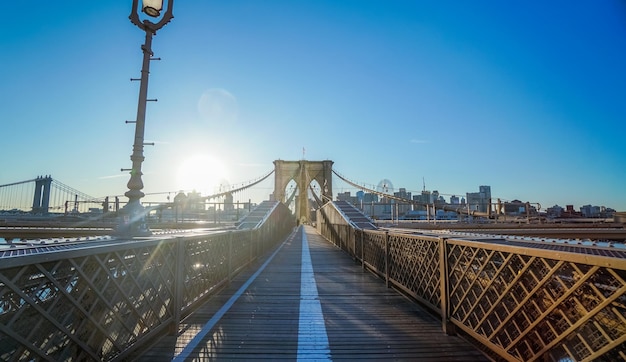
x,y
132,221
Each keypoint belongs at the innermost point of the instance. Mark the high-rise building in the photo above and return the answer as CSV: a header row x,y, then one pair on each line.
x,y
402,193
360,195
403,207
346,196
426,197
479,201
370,197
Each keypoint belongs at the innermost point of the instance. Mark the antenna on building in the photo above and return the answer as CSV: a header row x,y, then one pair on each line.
x,y
424,184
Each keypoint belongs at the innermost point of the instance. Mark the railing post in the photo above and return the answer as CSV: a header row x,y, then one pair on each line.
x,y
363,249
340,235
230,255
446,325
353,239
251,244
178,288
342,239
387,259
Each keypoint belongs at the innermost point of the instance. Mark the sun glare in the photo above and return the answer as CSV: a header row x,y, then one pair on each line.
x,y
202,173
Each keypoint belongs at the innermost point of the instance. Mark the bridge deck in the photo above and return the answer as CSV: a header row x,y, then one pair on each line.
x,y
274,313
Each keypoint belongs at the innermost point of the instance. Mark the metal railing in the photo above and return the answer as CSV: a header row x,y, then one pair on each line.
x,y
104,302
519,301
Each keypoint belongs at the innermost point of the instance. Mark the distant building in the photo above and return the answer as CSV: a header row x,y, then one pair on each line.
x,y
403,194
229,204
424,215
515,207
479,201
403,207
454,200
555,211
370,197
346,196
422,200
570,212
590,211
607,212
438,199
195,201
360,195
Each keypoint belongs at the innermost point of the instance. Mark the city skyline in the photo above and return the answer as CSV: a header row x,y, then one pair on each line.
x,y
461,198
526,98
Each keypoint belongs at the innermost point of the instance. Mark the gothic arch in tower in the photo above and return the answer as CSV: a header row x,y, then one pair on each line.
x,y
303,173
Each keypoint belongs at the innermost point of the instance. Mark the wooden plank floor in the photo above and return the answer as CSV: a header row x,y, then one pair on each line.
x,y
362,319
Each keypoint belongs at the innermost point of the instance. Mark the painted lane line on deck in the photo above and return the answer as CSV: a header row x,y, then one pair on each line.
x,y
220,313
312,337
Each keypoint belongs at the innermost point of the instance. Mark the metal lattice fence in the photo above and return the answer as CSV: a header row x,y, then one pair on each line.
x,y
518,301
101,303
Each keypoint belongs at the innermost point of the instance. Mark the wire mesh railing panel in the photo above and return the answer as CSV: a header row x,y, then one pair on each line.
x,y
241,246
206,266
374,254
529,307
414,266
66,309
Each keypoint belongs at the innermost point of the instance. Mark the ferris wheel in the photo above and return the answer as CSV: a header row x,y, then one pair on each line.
x,y
385,186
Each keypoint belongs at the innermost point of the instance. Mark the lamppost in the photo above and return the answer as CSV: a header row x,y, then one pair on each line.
x,y
133,214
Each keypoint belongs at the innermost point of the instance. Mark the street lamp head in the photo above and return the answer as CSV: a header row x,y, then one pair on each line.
x,y
152,7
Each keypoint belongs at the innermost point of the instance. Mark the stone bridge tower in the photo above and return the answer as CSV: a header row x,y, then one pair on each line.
x,y
41,199
303,173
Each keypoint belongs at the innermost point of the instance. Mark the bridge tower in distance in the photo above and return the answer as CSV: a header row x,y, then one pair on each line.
x,y
303,172
41,199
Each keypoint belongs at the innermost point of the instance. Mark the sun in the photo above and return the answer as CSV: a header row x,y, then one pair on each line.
x,y
202,173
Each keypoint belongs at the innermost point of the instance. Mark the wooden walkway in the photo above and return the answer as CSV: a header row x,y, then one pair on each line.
x,y
321,309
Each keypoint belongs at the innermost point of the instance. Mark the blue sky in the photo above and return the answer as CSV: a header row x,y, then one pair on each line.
x,y
527,97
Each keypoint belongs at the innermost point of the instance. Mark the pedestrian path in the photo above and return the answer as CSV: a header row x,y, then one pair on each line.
x,y
309,301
